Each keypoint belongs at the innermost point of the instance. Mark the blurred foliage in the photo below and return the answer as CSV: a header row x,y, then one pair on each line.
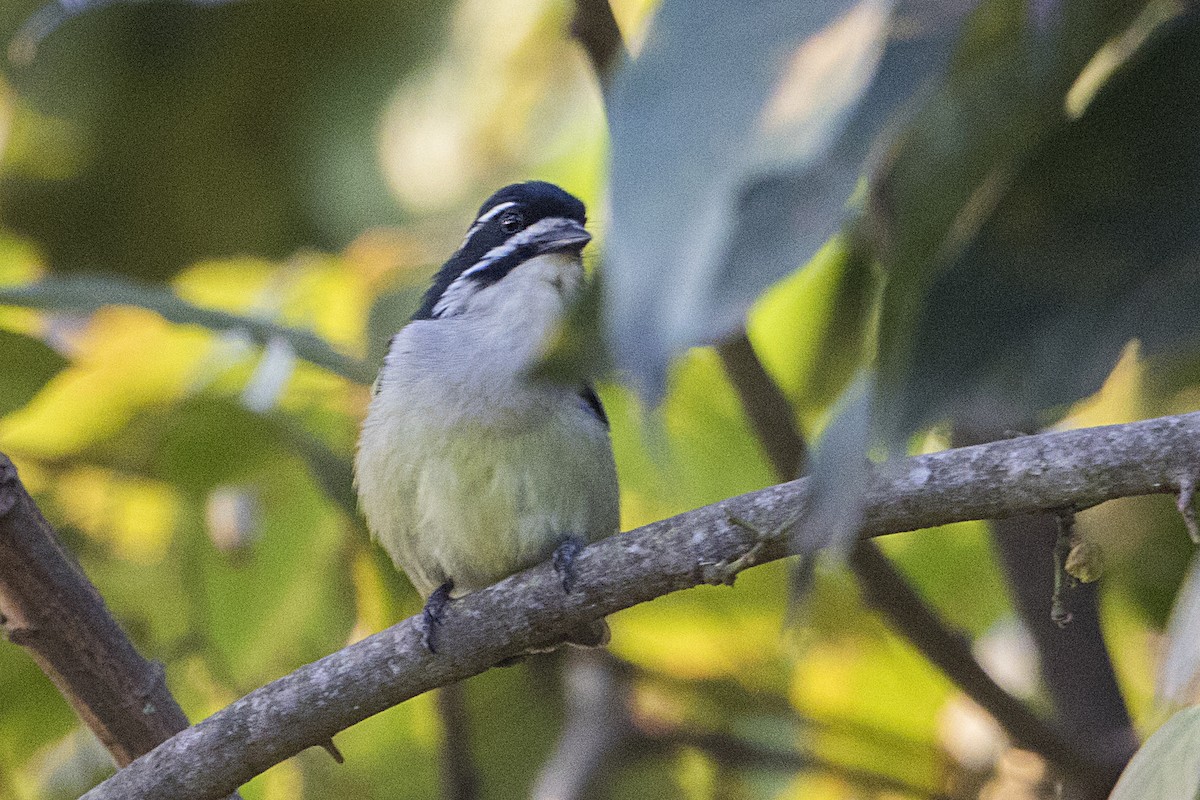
x,y
214,215
147,135
1168,765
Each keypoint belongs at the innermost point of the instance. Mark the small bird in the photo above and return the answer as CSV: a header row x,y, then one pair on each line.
x,y
467,469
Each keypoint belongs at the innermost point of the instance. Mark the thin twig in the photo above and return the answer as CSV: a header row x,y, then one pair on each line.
x,y
767,407
1075,664
1185,502
460,778
597,724
596,29
733,752
1060,613
952,655
529,610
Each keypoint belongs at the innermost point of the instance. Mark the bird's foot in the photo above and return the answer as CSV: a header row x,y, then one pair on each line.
x,y
564,561
431,616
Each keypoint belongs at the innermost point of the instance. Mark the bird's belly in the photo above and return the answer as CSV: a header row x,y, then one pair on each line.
x,y
476,502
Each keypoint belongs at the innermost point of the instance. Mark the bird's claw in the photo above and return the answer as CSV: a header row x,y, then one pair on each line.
x,y
564,561
431,615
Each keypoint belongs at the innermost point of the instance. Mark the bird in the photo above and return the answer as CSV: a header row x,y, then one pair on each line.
x,y
467,469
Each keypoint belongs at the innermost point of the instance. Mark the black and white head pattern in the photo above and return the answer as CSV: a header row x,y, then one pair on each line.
x,y
516,223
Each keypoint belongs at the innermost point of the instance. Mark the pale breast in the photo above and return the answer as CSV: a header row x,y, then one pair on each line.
x,y
466,470
475,502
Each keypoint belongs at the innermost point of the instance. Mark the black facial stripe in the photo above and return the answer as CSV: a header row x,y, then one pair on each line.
x,y
535,200
496,270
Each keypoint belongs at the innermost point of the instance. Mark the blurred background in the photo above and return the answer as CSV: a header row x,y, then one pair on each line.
x,y
243,201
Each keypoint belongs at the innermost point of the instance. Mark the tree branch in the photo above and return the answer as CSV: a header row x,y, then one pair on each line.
x,y
887,591
1076,668
738,753
900,603
998,480
597,725
596,30
1075,665
51,609
460,779
767,407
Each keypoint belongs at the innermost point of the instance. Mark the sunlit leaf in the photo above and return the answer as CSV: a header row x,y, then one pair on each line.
x,y
576,353
730,168
198,444
34,712
285,600
1023,249
26,365
1180,665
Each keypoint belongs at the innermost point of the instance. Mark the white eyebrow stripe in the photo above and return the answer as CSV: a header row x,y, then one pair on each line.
x,y
459,292
495,210
483,220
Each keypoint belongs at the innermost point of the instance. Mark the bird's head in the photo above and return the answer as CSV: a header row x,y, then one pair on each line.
x,y
520,222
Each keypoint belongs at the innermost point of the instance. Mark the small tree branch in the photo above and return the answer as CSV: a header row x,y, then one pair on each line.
x,y
884,588
952,655
528,610
596,30
1075,665
767,407
460,779
731,751
597,725
1076,668
50,608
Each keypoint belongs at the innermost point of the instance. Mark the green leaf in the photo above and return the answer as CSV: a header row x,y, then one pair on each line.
x,y
197,444
283,601
771,110
89,292
331,471
34,711
26,365
1011,234
1167,767
576,354
839,474
1092,244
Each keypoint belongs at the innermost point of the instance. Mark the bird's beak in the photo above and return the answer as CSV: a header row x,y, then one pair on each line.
x,y
563,236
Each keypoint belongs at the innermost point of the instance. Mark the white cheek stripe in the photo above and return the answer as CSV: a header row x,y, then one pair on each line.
x,y
513,242
483,220
457,294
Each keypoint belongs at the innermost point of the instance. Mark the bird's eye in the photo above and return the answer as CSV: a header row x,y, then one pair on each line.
x,y
511,221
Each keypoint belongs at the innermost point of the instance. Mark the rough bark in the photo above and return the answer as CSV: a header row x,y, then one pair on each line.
x,y
1000,480
50,608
